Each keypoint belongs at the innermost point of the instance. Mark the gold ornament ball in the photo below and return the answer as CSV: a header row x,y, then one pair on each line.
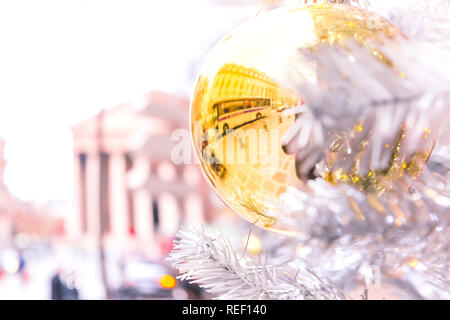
x,y
236,112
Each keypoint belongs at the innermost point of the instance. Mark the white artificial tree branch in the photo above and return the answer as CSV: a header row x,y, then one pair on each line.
x,y
211,262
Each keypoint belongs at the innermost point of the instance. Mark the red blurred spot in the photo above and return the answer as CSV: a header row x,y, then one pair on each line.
x,y
26,277
60,229
131,231
165,244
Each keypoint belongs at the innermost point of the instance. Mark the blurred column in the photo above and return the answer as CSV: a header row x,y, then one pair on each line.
x,y
144,215
118,199
141,198
180,198
92,194
204,190
75,220
194,212
170,216
198,202
181,212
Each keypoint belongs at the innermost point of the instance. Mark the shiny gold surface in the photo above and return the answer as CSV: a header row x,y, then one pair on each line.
x,y
236,112
378,181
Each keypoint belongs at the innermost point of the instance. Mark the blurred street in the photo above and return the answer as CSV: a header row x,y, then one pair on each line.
x,y
36,282
90,197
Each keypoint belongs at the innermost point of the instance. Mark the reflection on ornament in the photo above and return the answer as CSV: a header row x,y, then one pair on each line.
x,y
377,181
240,109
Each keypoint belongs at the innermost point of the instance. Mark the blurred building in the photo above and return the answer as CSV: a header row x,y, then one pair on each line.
x,y
5,202
127,187
22,220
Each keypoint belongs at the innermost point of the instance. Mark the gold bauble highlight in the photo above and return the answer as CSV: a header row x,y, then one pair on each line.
x,y
236,111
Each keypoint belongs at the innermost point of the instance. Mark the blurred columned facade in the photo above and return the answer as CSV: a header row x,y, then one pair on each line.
x,y
123,168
